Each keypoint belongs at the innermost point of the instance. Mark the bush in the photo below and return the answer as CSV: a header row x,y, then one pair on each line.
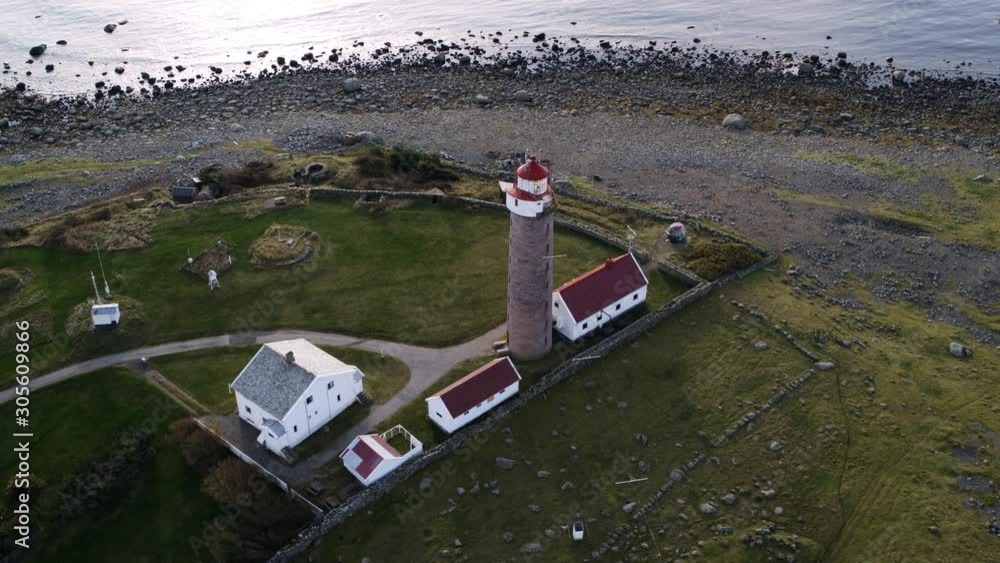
x,y
425,167
11,234
56,236
72,220
201,451
100,215
222,182
373,164
714,259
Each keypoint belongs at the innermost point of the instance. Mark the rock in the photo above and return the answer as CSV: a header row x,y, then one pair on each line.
x,y
806,69
482,100
768,493
352,85
550,533
110,28
505,463
363,138
628,508
960,350
4,123
934,530
119,70
50,68
643,468
778,511
735,121
38,50
543,474
759,345
729,499
899,76
534,508
824,366
982,179
508,537
775,446
531,548
677,475
707,508
522,96
642,439
567,486
426,483
459,491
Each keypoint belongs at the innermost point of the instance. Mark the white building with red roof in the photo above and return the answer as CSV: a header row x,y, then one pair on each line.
x,y
474,395
370,457
603,294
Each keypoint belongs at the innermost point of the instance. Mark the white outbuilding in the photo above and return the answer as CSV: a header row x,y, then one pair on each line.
x,y
290,389
370,457
105,315
596,298
474,395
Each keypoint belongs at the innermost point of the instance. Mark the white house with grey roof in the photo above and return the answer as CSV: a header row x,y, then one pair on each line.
x,y
290,389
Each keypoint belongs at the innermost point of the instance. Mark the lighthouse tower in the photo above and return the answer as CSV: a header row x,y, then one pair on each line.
x,y
531,202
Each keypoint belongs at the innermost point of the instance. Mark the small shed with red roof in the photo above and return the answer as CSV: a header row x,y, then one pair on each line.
x,y
603,294
474,395
370,457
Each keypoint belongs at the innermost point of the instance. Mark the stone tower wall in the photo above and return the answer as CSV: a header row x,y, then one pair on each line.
x,y
529,289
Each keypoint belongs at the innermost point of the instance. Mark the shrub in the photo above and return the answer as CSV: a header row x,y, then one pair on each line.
x,y
100,215
373,164
55,237
11,234
713,259
201,451
72,220
221,182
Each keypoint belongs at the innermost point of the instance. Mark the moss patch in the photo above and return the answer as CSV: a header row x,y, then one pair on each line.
x,y
866,163
283,245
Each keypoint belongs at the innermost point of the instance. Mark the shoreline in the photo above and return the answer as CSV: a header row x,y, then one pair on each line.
x,y
774,90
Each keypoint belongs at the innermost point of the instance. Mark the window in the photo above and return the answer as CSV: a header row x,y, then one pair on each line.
x,y
618,307
635,297
338,397
584,325
439,415
556,304
295,428
329,385
248,410
309,400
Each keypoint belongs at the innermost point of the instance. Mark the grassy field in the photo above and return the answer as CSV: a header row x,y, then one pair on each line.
x,y
866,466
161,507
206,374
423,274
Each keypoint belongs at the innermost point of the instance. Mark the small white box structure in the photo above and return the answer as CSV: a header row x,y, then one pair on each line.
x,y
290,389
106,315
577,531
474,395
370,456
596,298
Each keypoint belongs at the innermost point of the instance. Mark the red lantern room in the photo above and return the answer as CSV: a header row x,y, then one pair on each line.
x,y
531,193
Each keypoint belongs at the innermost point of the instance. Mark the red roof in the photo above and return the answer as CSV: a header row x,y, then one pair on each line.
x,y
602,286
523,195
460,397
533,170
370,458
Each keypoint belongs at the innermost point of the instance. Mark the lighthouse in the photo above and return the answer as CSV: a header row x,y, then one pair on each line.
x,y
531,202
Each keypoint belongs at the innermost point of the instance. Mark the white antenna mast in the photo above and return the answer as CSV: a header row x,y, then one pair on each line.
x,y
97,293
630,236
107,289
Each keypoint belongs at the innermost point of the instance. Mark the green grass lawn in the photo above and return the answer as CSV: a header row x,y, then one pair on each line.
x,y
162,507
424,274
206,374
856,481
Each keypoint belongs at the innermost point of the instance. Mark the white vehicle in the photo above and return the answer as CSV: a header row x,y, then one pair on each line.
x,y
577,531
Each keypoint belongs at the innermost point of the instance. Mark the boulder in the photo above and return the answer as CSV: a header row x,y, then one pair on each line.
x,y
775,446
628,508
983,179
824,366
707,508
899,76
735,121
677,475
522,96
806,69
508,537
505,463
38,50
960,350
760,345
352,85
567,486
363,138
482,100
110,28
426,483
729,499
531,548
543,474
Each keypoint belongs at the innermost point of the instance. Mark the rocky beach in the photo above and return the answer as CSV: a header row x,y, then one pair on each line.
x,y
750,140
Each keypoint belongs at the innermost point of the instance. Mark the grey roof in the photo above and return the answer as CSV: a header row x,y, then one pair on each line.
x,y
274,384
275,427
183,191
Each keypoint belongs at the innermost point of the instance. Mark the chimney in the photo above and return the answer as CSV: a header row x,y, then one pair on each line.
x,y
290,357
